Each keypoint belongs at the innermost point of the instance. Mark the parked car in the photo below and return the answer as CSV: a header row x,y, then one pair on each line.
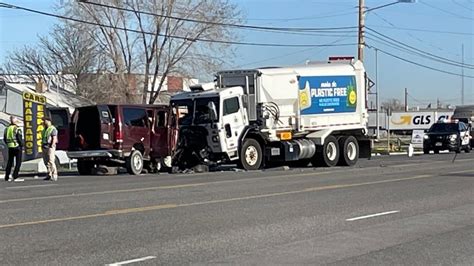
x,y
453,136
132,136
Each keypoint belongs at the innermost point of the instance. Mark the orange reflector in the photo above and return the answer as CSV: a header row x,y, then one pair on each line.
x,y
285,136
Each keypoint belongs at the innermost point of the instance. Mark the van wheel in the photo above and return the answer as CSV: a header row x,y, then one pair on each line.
x,y
134,163
328,154
251,155
349,150
85,167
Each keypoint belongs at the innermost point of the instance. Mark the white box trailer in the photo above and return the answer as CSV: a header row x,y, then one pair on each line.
x,y
313,113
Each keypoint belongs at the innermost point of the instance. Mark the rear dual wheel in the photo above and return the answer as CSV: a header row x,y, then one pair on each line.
x,y
328,154
349,151
344,152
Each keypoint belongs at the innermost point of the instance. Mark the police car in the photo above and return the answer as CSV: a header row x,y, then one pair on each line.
x,y
447,135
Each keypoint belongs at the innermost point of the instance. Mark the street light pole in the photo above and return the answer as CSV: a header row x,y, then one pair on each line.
x,y
362,11
361,42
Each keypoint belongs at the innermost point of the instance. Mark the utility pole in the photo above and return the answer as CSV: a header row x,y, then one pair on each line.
x,y
406,100
361,42
462,75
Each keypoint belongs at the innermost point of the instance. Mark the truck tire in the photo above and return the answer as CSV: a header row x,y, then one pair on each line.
x,y
134,163
251,155
349,150
85,167
328,154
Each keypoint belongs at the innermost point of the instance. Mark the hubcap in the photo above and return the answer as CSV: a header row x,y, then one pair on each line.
x,y
351,151
137,163
331,151
251,155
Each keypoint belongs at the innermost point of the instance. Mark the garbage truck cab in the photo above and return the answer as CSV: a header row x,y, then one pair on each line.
x,y
293,115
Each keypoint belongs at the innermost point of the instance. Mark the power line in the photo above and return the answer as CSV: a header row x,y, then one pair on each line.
x,y
254,27
445,11
461,5
169,36
288,54
459,64
417,64
403,49
415,37
425,30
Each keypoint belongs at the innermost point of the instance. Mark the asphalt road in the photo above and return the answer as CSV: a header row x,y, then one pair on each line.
x,y
389,210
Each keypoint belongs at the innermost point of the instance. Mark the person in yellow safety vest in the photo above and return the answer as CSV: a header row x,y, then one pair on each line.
x,y
49,139
14,141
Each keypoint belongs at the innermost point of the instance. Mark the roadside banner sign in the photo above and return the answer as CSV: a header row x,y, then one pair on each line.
x,y
34,107
417,138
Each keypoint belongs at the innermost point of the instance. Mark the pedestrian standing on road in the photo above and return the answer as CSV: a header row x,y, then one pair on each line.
x,y
14,141
49,139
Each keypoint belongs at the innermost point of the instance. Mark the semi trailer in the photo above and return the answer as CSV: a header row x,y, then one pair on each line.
x,y
315,113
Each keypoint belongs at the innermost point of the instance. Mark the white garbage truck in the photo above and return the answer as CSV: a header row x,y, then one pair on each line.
x,y
315,113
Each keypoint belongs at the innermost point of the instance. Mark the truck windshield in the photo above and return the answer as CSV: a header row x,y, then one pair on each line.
x,y
195,112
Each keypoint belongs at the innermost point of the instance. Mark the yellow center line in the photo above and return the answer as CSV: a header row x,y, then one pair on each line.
x,y
191,185
172,206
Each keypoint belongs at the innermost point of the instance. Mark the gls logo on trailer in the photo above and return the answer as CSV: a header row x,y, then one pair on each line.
x,y
417,119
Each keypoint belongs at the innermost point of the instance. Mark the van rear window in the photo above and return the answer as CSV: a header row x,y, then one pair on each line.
x,y
135,117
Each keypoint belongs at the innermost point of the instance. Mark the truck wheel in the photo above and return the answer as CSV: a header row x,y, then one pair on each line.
x,y
85,167
349,150
328,155
134,163
251,155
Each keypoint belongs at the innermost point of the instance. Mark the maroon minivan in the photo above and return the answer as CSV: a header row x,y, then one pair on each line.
x,y
134,136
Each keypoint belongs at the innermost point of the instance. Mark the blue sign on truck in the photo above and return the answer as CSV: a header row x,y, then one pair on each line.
x,y
327,94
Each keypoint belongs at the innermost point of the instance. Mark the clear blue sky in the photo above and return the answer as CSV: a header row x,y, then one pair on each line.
x,y
18,28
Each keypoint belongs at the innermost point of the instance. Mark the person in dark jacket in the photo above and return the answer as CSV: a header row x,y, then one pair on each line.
x,y
14,140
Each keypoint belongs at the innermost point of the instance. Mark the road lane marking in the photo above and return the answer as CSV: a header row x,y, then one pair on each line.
x,y
371,215
172,206
191,185
32,186
132,261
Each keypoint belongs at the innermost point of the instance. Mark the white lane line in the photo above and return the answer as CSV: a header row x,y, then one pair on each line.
x,y
371,215
17,187
132,261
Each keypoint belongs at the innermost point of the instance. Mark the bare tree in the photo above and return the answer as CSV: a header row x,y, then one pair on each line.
x,y
163,45
392,104
151,38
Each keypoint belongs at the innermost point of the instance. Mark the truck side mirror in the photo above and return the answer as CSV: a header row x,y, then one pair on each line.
x,y
213,110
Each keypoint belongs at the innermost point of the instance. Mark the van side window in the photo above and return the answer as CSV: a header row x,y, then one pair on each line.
x,y
135,117
161,119
231,106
